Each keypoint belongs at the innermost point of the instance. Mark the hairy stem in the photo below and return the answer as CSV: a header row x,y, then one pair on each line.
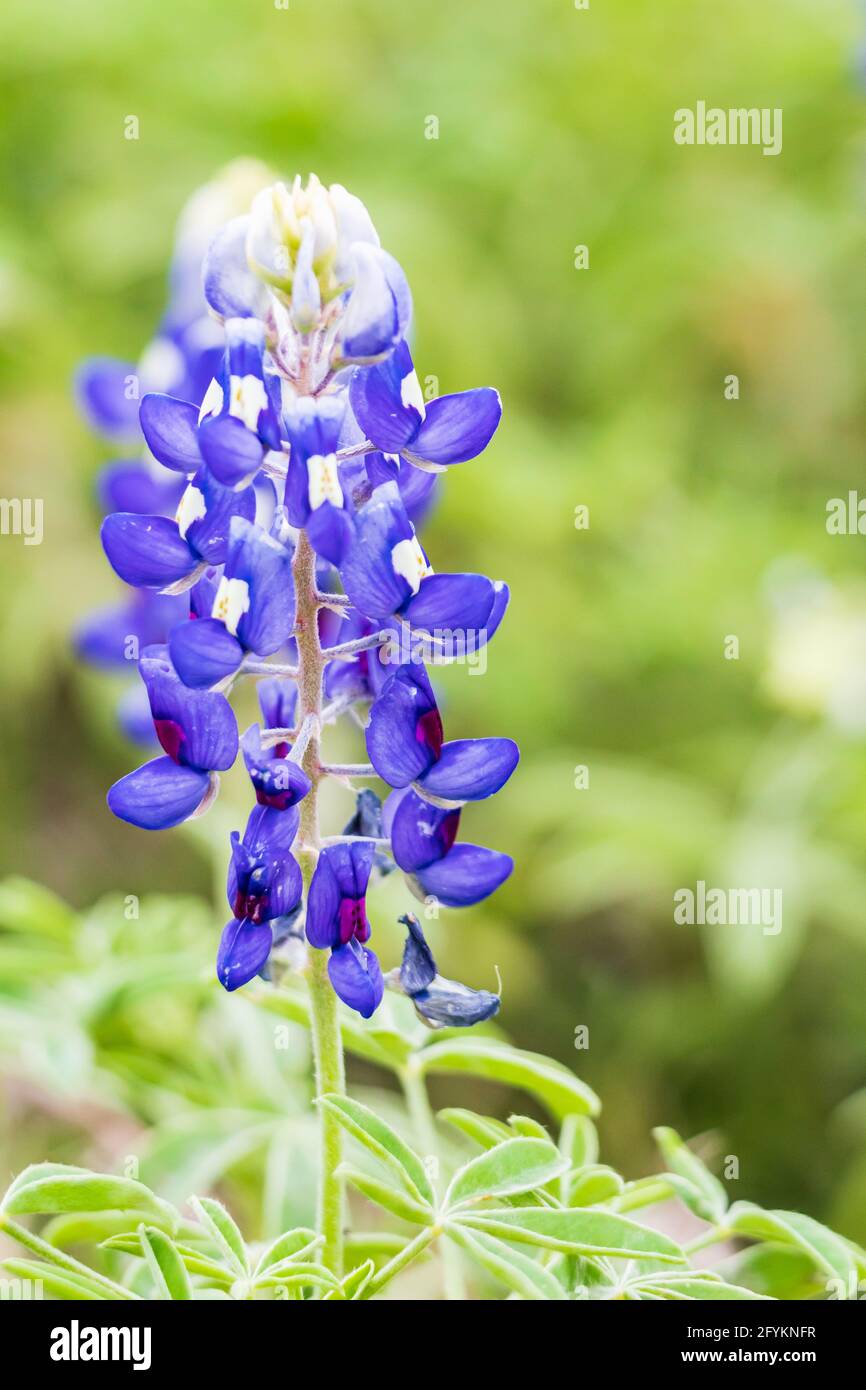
x,y
327,1043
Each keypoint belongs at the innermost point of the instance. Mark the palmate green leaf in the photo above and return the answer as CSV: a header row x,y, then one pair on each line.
x,y
516,1165
165,1264
514,1269
49,1188
59,1283
578,1231
833,1255
377,1136
703,1193
391,1198
554,1085
291,1245
223,1232
295,1275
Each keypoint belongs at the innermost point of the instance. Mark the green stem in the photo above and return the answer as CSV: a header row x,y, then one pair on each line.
x,y
421,1113
404,1257
713,1236
327,1042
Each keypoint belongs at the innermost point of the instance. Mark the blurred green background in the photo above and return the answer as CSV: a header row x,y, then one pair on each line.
x,y
707,520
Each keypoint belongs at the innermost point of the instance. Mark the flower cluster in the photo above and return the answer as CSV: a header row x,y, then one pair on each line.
x,y
288,465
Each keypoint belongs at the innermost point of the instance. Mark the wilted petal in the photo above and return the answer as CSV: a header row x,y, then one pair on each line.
x,y
448,1004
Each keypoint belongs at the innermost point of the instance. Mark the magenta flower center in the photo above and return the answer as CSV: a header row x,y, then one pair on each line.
x,y
171,736
353,920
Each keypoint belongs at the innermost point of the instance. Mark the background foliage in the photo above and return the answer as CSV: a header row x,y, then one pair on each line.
x,y
707,519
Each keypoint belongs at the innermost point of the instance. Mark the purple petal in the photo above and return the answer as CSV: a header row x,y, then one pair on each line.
x,y
203,653
102,385
159,795
278,781
146,551
356,977
330,532
243,951
458,427
468,874
170,428
469,769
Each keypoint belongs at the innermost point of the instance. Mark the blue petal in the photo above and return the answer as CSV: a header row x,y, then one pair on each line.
x,y
265,567
457,428
134,716
102,385
371,321
418,968
278,782
376,398
232,452
203,653
230,287
448,1004
200,728
115,636
170,428
159,795
268,839
467,874
278,700
146,551
323,906
330,532
208,536
367,570
469,769
243,951
356,977
420,833
404,733
456,605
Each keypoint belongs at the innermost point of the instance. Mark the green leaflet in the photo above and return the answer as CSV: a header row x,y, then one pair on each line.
x,y
384,1142
702,1192
575,1231
554,1085
165,1264
516,1165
